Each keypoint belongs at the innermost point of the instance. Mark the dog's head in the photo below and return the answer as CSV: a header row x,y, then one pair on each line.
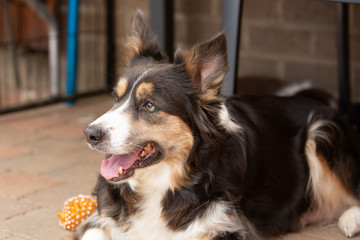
x,y
161,109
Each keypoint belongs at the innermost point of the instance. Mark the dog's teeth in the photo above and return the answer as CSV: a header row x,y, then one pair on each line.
x,y
143,153
121,170
149,147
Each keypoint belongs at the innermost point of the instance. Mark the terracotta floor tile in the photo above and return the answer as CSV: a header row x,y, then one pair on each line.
x,y
326,231
34,123
40,224
84,172
56,145
4,235
45,160
15,185
14,237
11,207
56,196
41,163
7,151
67,130
10,136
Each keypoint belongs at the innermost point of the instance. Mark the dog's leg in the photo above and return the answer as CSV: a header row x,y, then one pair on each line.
x,y
349,222
91,229
95,234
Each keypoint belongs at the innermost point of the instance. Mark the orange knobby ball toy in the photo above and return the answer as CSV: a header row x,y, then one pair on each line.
x,y
76,210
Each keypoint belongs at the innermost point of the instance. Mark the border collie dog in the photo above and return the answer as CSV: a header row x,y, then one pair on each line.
x,y
186,163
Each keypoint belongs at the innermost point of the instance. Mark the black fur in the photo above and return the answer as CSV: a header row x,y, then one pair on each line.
x,y
118,201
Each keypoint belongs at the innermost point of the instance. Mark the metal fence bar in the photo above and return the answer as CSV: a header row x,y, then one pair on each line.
x,y
91,70
10,36
53,34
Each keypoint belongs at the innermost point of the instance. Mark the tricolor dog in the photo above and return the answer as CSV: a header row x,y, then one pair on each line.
x,y
186,163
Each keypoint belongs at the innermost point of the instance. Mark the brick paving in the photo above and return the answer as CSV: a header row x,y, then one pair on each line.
x,y
44,160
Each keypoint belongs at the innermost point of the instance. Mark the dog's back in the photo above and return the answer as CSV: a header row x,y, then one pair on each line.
x,y
278,193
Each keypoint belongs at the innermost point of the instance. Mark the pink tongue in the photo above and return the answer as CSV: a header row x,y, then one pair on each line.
x,y
110,167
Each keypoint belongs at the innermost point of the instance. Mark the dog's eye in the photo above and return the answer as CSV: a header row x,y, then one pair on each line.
x,y
150,107
116,97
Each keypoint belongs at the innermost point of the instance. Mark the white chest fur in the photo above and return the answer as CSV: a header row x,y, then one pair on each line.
x,y
148,223
152,185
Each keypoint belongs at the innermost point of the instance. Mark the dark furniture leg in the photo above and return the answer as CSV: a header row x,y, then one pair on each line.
x,y
343,55
110,45
162,22
230,24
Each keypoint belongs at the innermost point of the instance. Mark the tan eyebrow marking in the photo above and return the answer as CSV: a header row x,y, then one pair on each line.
x,y
121,87
144,89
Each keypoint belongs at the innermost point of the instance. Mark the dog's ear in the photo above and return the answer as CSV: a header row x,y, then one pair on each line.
x,y
142,43
206,63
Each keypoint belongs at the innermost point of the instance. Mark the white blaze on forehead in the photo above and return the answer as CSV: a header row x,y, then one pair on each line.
x,y
133,87
117,123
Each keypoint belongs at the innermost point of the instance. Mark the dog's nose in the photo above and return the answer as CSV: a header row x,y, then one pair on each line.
x,y
94,135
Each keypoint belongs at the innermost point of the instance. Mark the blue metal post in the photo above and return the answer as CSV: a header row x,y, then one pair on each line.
x,y
72,26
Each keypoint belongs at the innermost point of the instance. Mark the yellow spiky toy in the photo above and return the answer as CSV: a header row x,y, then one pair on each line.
x,y
76,209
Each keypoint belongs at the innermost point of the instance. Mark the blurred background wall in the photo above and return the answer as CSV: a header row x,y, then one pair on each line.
x,y
289,40
282,41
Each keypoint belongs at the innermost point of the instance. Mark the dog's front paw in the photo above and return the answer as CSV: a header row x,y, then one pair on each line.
x,y
95,234
349,222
